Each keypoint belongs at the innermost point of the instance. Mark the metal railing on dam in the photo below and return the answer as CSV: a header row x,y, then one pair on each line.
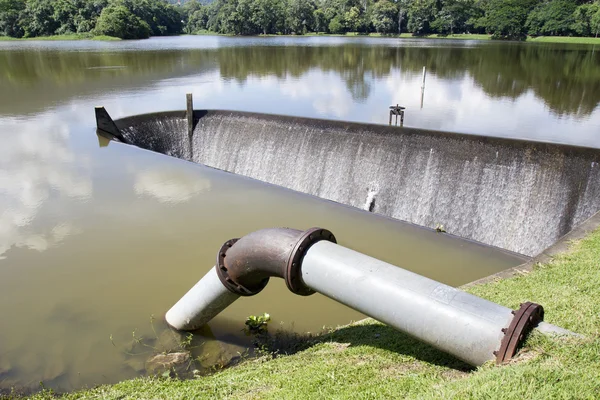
x,y
518,195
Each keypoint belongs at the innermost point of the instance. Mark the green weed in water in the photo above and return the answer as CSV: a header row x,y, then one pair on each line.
x,y
257,324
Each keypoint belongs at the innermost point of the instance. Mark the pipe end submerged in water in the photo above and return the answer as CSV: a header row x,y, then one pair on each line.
x,y
201,303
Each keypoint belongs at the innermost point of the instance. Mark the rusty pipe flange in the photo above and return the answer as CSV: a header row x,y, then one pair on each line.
x,y
527,317
227,281
293,276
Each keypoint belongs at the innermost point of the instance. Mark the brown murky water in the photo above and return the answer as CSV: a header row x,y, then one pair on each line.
x,y
97,239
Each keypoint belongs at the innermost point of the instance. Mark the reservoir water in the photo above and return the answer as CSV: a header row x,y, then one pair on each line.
x,y
99,239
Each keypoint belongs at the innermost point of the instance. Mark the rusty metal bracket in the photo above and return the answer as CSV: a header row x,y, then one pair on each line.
x,y
245,265
293,276
527,317
227,281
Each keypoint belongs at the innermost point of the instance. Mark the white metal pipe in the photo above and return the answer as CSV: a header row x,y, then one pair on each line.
x,y
458,323
201,303
466,326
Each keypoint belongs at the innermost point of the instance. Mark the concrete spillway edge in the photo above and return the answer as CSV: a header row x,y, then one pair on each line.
x,y
466,182
559,247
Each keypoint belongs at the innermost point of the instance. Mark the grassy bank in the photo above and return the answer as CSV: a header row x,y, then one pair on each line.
x,y
540,39
370,360
462,36
75,36
564,39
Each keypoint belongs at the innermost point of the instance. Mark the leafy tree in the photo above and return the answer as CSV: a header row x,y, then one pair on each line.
x,y
87,15
383,17
582,18
420,16
64,15
336,26
352,19
403,9
229,19
300,15
37,19
9,17
214,16
505,19
245,11
320,20
198,20
269,16
454,16
553,17
118,21
595,22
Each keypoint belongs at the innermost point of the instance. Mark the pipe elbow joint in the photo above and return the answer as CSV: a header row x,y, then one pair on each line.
x,y
245,265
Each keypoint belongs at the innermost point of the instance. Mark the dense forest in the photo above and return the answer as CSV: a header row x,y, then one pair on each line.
x,y
129,19
507,19
126,19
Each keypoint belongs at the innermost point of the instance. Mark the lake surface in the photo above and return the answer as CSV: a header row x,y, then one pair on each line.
x,y
98,239
547,92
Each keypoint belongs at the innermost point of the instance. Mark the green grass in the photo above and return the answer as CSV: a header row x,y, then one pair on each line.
x,y
462,36
204,32
74,36
564,39
405,36
540,39
368,360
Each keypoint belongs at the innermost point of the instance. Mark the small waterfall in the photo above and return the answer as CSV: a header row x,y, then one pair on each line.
x,y
520,196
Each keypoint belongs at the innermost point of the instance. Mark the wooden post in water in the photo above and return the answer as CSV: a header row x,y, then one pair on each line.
x,y
423,86
190,121
190,114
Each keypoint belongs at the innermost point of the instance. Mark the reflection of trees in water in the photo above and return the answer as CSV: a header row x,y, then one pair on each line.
x,y
566,79
348,61
29,67
31,80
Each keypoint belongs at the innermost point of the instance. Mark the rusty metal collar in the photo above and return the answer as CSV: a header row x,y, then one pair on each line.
x,y
527,317
245,265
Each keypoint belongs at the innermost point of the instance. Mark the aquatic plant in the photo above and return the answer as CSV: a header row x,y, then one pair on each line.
x,y
256,325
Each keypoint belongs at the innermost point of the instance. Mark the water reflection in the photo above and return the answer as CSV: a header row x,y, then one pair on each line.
x,y
537,91
169,185
37,170
35,80
567,80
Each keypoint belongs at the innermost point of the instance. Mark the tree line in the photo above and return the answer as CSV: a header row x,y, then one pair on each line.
x,y
126,19
134,19
504,19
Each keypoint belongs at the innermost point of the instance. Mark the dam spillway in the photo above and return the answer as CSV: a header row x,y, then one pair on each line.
x,y
517,195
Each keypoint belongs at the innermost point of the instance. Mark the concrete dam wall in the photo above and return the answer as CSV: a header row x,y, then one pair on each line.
x,y
517,195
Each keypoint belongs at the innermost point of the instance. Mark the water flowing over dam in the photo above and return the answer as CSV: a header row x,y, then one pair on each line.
x,y
517,195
